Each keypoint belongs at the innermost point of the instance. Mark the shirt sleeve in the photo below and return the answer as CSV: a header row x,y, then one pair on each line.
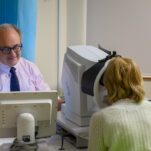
x,y
40,84
96,142
38,79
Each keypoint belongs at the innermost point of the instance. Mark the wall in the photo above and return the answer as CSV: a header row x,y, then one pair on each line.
x,y
76,22
46,40
147,86
125,26
52,40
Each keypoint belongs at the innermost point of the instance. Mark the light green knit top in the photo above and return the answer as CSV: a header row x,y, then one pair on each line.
x,y
124,126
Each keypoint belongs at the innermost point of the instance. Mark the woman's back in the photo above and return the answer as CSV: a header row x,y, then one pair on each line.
x,y
124,126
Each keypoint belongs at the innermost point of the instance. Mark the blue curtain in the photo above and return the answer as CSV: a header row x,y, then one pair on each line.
x,y
22,13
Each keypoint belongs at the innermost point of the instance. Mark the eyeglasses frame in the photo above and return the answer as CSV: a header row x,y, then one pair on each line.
x,y
19,46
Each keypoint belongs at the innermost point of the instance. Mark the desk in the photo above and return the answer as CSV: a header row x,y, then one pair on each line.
x,y
49,144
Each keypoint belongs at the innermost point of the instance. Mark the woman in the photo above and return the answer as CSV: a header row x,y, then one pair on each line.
x,y
126,124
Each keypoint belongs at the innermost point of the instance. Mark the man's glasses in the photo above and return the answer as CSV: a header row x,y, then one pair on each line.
x,y
7,50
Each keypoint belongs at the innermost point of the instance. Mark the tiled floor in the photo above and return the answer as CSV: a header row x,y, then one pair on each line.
x,y
49,144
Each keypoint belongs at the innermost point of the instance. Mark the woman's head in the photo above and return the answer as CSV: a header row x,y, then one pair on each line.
x,y
123,79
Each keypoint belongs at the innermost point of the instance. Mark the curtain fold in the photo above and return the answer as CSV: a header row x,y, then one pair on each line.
x,y
22,13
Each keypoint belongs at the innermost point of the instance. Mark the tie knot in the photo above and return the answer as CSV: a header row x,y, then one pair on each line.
x,y
12,70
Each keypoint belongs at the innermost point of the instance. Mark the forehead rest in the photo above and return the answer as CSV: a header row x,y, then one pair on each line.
x,y
90,76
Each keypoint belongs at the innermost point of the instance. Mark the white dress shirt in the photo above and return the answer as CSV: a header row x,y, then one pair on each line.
x,y
29,76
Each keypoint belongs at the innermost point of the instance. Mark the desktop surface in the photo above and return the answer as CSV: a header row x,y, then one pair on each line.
x,y
52,143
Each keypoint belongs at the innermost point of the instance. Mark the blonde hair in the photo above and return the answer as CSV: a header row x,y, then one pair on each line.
x,y
123,79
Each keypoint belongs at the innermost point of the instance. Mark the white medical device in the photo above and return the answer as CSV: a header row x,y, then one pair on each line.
x,y
28,115
78,107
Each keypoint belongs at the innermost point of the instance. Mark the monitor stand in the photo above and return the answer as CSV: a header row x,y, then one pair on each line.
x,y
79,134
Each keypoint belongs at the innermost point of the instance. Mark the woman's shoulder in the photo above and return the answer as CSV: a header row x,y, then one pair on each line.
x,y
124,104
102,112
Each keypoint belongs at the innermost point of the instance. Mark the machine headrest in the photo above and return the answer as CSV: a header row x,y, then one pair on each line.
x,y
95,74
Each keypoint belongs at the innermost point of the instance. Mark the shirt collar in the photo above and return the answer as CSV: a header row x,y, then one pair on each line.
x,y
6,68
125,101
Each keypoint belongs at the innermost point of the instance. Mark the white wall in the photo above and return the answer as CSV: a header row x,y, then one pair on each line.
x,y
72,31
46,40
76,22
147,85
125,26
62,40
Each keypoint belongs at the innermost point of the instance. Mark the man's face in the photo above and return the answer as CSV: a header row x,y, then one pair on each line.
x,y
9,38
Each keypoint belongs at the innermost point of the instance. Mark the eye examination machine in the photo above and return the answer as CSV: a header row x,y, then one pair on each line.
x,y
27,116
84,93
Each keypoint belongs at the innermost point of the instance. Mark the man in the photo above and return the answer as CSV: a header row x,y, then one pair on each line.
x,y
17,73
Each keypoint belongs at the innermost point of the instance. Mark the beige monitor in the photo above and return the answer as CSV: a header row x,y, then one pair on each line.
x,y
42,105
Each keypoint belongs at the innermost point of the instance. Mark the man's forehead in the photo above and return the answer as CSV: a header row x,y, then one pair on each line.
x,y
9,37
7,29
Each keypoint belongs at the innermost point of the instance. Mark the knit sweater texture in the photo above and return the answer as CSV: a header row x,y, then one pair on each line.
x,y
123,126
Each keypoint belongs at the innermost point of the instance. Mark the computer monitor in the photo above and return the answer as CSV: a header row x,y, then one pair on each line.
x,y
78,106
42,105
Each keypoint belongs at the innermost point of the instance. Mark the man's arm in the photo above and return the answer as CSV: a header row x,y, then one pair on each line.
x,y
38,79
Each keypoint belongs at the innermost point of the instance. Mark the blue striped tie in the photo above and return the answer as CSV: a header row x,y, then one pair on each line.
x,y
14,83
